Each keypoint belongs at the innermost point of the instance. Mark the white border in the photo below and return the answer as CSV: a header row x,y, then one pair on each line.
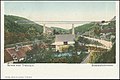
x,y
117,33
70,71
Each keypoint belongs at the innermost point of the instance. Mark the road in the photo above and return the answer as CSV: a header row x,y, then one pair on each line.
x,y
107,44
86,59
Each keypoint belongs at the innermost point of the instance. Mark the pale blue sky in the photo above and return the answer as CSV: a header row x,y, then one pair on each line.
x,y
82,11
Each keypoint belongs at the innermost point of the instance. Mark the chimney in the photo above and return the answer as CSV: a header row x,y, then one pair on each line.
x,y
73,29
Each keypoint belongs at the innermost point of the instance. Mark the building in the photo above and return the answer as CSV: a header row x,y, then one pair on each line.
x,y
15,54
63,41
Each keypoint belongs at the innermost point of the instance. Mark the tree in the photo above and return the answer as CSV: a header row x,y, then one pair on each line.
x,y
39,54
70,49
97,31
76,45
54,32
16,32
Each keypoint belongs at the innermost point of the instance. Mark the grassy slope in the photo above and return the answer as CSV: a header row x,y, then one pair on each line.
x,y
19,32
60,29
83,28
11,26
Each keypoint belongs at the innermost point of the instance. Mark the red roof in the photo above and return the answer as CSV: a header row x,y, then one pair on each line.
x,y
9,52
7,57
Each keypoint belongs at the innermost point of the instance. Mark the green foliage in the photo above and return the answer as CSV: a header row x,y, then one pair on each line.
x,y
83,40
97,31
104,57
43,55
88,41
18,29
57,30
39,54
93,29
69,59
112,24
83,28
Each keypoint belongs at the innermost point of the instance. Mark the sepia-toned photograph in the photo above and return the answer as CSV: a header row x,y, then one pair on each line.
x,y
60,32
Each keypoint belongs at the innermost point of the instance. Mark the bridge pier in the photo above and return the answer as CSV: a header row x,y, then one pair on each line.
x,y
44,28
73,32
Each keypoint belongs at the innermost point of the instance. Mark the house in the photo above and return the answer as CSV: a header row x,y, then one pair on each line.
x,y
7,56
63,41
13,54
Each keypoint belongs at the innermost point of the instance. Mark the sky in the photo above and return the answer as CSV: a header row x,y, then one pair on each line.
x,y
62,11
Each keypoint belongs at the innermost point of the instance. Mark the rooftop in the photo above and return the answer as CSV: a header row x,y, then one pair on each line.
x,y
65,37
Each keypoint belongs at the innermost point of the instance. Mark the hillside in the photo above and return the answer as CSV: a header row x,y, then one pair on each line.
x,y
93,29
60,30
83,28
19,29
15,23
104,57
106,33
